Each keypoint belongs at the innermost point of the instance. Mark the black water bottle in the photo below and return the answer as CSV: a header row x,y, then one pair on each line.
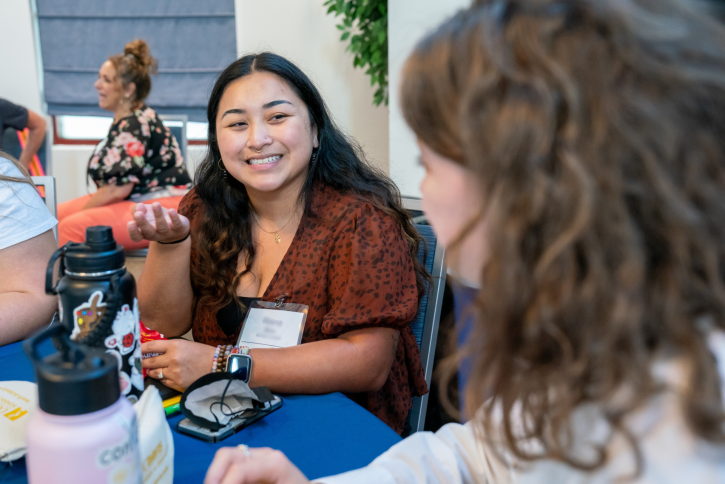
x,y
98,304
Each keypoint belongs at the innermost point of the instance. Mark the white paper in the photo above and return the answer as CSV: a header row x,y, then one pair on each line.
x,y
155,441
270,328
18,403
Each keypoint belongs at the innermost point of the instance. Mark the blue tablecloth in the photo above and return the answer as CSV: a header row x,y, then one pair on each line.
x,y
321,434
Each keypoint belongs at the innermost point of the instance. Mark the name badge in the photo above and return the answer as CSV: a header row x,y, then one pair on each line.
x,y
273,325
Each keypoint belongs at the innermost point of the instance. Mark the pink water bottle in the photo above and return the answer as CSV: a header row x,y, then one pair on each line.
x,y
84,431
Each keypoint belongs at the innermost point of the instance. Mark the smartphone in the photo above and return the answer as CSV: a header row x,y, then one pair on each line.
x,y
236,424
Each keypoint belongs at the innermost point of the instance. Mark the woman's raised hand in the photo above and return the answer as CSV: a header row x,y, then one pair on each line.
x,y
157,224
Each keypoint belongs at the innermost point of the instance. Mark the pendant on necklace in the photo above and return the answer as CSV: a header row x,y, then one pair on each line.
x,y
277,238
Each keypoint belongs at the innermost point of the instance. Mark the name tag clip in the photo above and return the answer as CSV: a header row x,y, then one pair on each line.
x,y
279,300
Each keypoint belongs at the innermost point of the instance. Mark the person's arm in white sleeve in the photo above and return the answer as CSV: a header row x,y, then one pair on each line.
x,y
24,306
26,244
449,456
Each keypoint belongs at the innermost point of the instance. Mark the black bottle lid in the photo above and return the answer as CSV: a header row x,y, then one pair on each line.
x,y
97,255
75,381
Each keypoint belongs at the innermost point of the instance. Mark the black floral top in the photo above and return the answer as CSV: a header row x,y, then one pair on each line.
x,y
139,149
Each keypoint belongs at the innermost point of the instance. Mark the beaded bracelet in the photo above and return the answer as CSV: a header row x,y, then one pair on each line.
x,y
221,354
240,350
216,357
219,359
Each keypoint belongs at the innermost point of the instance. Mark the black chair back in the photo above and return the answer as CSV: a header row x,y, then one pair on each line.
x,y
427,319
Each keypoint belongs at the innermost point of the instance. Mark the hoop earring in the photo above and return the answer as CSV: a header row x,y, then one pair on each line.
x,y
221,167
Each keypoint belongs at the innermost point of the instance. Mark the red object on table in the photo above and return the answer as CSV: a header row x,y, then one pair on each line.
x,y
146,336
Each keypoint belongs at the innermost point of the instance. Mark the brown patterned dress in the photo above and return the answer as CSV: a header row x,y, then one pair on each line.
x,y
350,264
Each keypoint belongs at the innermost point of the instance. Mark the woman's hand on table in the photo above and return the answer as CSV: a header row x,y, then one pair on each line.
x,y
157,224
181,363
237,465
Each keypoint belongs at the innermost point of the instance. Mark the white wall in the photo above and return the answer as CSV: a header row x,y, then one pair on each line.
x,y
408,22
301,31
19,74
69,170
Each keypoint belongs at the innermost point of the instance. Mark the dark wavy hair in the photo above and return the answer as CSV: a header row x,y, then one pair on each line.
x,y
340,163
597,131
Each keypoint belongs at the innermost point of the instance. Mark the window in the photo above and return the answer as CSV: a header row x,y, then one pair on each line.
x,y
90,130
82,127
192,40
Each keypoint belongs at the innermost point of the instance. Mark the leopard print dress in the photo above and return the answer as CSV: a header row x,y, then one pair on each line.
x,y
349,263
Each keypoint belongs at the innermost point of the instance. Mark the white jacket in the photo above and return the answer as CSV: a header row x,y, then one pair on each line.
x,y
671,453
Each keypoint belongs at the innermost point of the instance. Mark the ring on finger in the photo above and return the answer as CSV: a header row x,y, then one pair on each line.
x,y
245,451
161,374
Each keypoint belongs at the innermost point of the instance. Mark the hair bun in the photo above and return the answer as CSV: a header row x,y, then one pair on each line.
x,y
139,49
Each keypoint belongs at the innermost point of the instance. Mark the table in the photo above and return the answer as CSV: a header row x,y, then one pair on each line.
x,y
321,434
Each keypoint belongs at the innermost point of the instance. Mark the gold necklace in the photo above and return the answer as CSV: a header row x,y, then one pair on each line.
x,y
277,237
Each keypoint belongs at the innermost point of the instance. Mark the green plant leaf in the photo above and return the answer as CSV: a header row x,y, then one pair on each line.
x,y
376,57
364,24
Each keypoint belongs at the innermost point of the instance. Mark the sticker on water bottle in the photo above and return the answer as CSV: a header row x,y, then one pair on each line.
x,y
125,330
87,315
124,340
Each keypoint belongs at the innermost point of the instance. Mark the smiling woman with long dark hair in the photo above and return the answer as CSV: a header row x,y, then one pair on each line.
x,y
285,205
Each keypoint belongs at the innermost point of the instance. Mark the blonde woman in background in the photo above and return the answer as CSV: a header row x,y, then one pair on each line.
x,y
574,155
138,161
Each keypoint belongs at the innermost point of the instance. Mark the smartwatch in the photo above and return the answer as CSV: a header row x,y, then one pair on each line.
x,y
240,365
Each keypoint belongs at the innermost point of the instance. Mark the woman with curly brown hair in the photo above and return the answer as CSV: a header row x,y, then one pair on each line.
x,y
574,152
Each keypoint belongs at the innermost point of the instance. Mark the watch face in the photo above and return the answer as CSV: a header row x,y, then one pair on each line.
x,y
239,366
